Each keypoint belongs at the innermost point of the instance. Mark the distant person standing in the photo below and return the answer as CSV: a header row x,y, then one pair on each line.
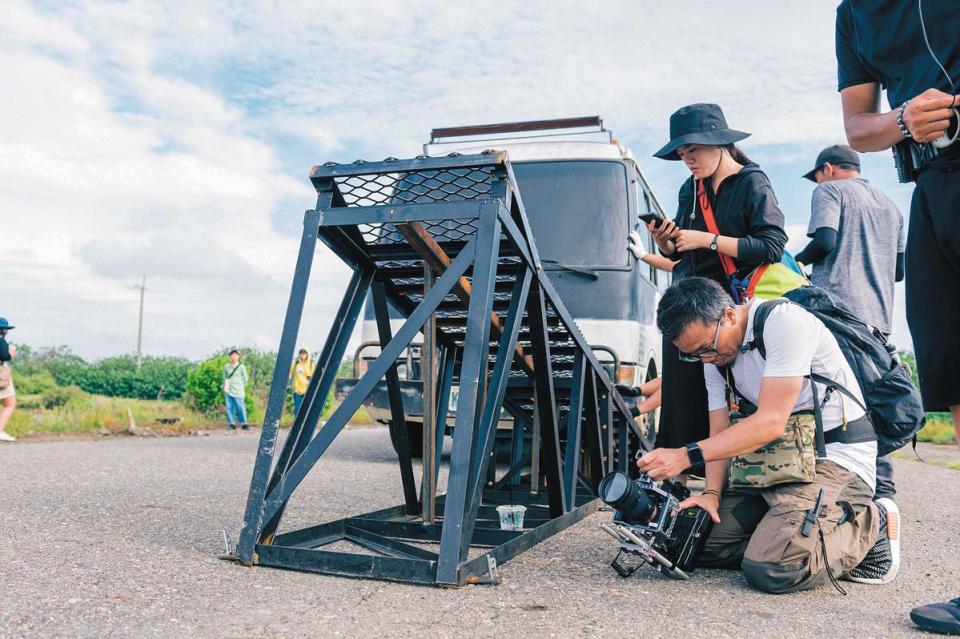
x,y
235,391
301,371
7,393
911,49
856,250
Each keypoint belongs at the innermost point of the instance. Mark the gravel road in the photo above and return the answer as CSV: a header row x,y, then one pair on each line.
x,y
120,537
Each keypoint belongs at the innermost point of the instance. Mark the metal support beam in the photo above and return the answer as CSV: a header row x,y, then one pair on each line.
x,y
593,434
253,518
447,369
546,402
475,348
572,454
428,372
398,420
487,427
328,363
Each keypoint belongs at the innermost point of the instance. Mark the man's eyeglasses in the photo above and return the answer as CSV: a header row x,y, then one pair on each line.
x,y
707,352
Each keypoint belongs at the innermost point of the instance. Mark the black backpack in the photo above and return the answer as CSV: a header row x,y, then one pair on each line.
x,y
893,402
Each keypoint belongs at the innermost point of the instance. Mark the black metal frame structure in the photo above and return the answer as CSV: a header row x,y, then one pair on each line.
x,y
502,333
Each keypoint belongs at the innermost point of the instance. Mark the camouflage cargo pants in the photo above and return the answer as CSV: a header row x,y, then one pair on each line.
x,y
760,531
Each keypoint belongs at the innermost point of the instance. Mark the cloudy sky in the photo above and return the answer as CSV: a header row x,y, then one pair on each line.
x,y
174,140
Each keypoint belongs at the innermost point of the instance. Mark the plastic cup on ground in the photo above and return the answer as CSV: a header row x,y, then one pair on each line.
x,y
511,517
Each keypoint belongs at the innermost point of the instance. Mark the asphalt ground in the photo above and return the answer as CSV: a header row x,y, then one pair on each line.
x,y
121,537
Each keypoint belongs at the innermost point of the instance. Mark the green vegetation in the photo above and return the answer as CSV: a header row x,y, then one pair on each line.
x,y
939,429
60,392
70,410
159,377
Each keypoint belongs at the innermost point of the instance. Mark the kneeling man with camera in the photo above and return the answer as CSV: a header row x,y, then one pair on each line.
x,y
790,488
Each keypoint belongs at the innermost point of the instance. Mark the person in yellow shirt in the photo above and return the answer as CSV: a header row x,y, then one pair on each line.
x,y
300,372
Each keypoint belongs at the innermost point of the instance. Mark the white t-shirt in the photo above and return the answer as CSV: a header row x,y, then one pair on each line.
x,y
797,343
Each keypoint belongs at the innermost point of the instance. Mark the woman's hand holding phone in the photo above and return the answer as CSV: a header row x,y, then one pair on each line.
x,y
663,235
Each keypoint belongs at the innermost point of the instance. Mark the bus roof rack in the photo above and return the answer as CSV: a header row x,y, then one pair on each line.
x,y
589,121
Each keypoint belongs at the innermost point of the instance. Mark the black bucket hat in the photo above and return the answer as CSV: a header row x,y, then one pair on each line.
x,y
5,324
698,124
836,154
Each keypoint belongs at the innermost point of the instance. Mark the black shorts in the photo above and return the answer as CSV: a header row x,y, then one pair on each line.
x,y
933,285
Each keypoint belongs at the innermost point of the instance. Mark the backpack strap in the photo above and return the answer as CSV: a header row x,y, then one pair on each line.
x,y
818,437
735,400
759,319
831,384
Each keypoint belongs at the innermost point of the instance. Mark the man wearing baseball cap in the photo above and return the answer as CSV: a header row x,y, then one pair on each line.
x,y
856,249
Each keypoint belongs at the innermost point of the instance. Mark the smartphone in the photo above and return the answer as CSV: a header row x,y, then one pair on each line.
x,y
652,217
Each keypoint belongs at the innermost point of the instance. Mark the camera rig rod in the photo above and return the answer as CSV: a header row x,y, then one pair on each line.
x,y
634,545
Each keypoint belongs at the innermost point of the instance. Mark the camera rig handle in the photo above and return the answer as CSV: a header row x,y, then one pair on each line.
x,y
634,545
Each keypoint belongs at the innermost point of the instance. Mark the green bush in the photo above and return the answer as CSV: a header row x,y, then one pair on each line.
x,y
113,376
35,383
58,397
204,387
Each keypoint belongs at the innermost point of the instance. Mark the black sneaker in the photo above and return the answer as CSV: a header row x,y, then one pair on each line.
x,y
938,617
882,562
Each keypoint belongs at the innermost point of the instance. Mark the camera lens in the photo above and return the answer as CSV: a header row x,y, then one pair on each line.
x,y
620,492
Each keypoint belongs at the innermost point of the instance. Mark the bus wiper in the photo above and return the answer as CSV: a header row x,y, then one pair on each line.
x,y
593,275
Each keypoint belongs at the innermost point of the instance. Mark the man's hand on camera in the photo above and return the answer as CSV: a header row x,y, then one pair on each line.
x,y
709,502
664,463
927,116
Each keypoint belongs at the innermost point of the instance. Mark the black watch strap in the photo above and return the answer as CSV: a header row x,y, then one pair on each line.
x,y
695,453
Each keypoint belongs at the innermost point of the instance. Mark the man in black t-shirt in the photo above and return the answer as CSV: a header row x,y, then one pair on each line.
x,y
911,49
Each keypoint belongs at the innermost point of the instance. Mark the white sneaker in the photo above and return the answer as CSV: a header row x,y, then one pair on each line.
x,y
6,437
881,564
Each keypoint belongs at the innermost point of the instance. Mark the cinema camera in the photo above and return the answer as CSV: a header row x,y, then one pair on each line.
x,y
648,523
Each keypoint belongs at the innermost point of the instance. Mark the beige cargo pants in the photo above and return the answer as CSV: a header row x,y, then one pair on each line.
x,y
760,531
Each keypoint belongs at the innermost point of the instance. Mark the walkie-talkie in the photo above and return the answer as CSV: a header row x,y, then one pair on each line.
x,y
812,515
903,160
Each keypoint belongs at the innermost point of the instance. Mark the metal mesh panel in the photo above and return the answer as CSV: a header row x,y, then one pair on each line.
x,y
441,231
446,185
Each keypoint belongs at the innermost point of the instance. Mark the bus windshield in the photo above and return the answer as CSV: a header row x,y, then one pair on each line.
x,y
577,210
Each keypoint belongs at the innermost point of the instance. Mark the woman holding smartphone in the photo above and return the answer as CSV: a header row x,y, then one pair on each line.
x,y
746,230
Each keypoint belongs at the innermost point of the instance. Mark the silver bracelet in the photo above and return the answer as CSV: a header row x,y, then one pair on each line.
x,y
903,127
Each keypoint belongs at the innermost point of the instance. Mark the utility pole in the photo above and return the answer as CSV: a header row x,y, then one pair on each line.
x,y
143,287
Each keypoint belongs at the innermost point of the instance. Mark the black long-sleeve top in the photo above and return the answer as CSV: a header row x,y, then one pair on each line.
x,y
4,350
744,207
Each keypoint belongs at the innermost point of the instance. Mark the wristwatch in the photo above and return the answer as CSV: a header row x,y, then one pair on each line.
x,y
713,244
695,453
